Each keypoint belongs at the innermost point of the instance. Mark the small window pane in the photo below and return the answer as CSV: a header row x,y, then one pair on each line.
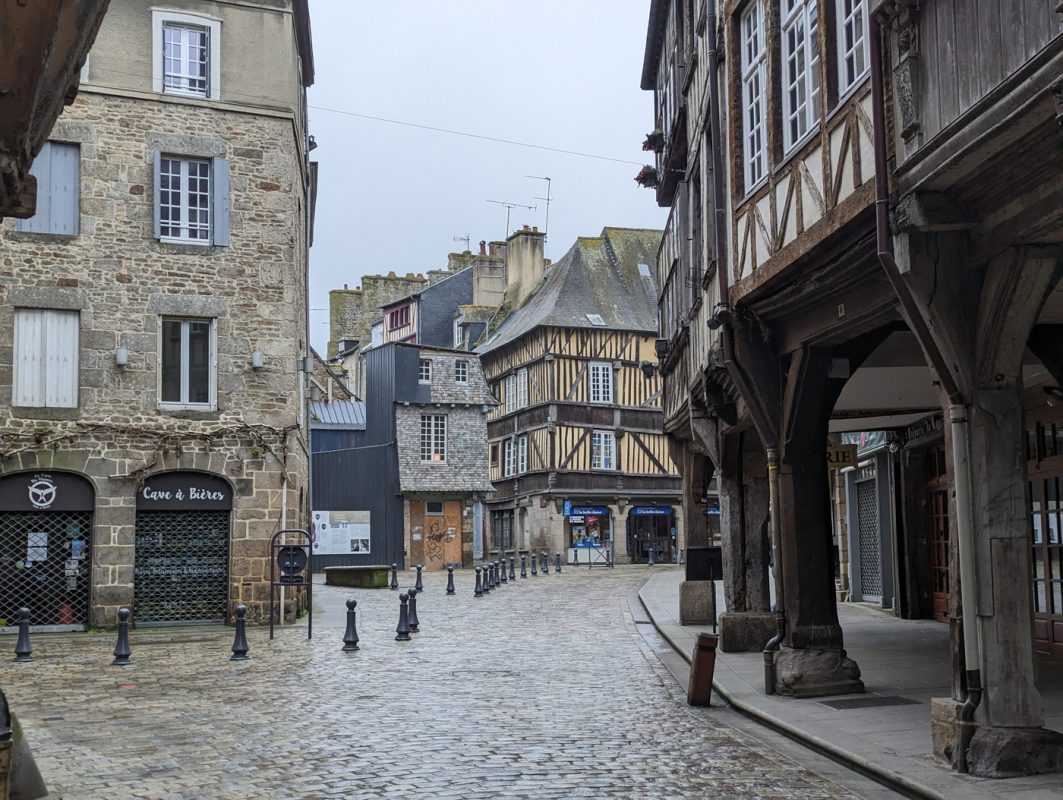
x,y
198,362
171,361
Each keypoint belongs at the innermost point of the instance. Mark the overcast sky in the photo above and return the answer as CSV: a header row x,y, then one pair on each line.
x,y
556,73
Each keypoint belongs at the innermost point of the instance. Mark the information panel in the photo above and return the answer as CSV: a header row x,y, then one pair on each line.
x,y
340,532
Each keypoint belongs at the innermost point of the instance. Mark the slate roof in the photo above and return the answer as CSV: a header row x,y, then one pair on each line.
x,y
339,415
598,275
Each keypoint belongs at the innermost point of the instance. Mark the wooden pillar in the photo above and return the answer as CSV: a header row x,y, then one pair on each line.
x,y
743,482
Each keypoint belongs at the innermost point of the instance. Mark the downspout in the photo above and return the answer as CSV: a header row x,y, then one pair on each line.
x,y
763,425
957,407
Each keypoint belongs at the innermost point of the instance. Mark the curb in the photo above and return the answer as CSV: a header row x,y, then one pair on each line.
x,y
891,780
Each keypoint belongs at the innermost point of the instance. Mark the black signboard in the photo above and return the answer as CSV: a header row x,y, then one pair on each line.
x,y
45,491
291,558
184,491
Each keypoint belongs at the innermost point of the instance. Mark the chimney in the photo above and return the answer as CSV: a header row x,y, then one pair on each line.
x,y
483,248
524,264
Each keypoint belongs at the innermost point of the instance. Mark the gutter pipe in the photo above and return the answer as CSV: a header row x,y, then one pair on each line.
x,y
972,649
763,425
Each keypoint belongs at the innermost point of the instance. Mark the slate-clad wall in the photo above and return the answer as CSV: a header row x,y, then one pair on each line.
x,y
437,306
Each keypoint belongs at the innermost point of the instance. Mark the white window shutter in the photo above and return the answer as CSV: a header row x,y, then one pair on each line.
x,y
157,162
41,169
64,189
62,349
220,202
28,379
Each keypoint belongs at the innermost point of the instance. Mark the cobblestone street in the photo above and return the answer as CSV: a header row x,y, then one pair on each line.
x,y
544,689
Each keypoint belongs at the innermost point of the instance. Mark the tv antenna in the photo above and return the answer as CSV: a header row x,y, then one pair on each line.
x,y
546,227
509,208
466,238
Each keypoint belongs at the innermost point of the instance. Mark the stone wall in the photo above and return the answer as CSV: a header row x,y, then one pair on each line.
x,y
353,311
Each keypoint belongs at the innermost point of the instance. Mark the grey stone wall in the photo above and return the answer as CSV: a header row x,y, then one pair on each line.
x,y
353,311
465,469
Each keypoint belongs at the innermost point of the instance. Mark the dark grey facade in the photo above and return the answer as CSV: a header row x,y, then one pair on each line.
x,y
437,306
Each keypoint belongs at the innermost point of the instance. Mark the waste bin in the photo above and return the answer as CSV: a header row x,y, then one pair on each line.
x,y
699,689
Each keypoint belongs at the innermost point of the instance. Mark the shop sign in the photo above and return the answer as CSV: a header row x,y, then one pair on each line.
x,y
840,456
587,511
45,491
929,427
651,511
184,491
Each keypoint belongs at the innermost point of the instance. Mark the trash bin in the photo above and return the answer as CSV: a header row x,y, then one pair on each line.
x,y
699,689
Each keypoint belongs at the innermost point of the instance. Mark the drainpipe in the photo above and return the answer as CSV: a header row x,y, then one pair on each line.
x,y
972,649
760,420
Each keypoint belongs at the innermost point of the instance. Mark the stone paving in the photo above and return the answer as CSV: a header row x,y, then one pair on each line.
x,y
540,690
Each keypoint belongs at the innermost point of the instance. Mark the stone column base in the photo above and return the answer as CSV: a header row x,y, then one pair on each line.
x,y
745,631
697,603
816,673
1014,752
944,714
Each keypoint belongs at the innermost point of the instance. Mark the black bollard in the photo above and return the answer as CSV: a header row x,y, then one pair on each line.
x,y
502,576
411,614
478,592
450,579
512,573
350,636
417,584
524,566
487,578
402,632
557,563
240,639
534,560
544,563
650,563
122,654
494,575
500,573
575,556
23,648
394,576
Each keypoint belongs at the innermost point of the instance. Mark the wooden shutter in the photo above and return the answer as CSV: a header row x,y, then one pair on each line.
x,y
157,162
58,187
28,379
220,202
42,171
61,349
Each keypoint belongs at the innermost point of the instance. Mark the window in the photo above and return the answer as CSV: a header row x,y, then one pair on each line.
x,y
461,371
187,363
800,58
601,379
424,371
45,372
434,437
502,530
507,458
459,338
191,200
522,454
185,51
516,390
522,388
603,450
494,455
399,318
753,94
595,320
58,190
852,43
434,508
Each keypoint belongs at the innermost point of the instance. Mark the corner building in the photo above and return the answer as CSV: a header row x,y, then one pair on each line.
x,y
153,324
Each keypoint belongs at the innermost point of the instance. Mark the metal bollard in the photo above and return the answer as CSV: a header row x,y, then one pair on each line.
x,y
502,575
478,592
350,636
557,566
122,654
394,576
495,582
411,614
487,578
240,638
543,566
575,556
23,648
450,579
534,560
650,563
699,689
512,572
524,566
417,583
402,632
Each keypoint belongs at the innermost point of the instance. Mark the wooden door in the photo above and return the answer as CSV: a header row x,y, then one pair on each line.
x,y
1045,466
442,536
938,503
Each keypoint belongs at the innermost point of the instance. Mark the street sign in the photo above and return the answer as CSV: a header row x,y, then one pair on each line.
x,y
840,456
291,559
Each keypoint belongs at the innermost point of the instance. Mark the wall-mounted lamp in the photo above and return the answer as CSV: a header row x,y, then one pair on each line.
x,y
121,357
720,315
256,360
649,369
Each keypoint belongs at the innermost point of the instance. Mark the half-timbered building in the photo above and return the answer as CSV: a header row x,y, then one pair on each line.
x,y
578,460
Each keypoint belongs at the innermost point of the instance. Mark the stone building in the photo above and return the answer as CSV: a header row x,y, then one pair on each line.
x,y
352,312
578,459
153,324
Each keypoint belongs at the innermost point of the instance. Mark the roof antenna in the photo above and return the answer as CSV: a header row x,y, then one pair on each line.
x,y
546,227
510,207
466,238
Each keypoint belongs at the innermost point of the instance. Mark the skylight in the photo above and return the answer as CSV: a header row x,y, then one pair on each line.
x,y
596,320
644,270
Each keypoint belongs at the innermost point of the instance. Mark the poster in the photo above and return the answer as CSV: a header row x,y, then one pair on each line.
x,y
341,532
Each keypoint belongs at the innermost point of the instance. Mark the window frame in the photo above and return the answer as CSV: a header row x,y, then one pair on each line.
x,y
424,375
845,85
402,315
801,20
599,440
161,18
42,356
753,71
212,375
437,430
509,460
183,207
522,454
428,512
601,368
461,370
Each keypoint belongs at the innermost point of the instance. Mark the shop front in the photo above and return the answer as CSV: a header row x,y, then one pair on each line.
x,y
45,550
181,567
589,533
651,528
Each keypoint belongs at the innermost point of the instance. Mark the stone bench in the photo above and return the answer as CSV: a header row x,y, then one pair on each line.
x,y
359,577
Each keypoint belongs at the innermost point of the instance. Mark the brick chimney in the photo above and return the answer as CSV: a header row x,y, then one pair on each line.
x,y
524,264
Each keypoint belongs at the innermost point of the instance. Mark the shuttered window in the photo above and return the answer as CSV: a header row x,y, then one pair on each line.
x,y
46,358
191,200
58,182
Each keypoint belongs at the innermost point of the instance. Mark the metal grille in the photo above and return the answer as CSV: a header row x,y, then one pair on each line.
x,y
44,565
870,547
182,566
